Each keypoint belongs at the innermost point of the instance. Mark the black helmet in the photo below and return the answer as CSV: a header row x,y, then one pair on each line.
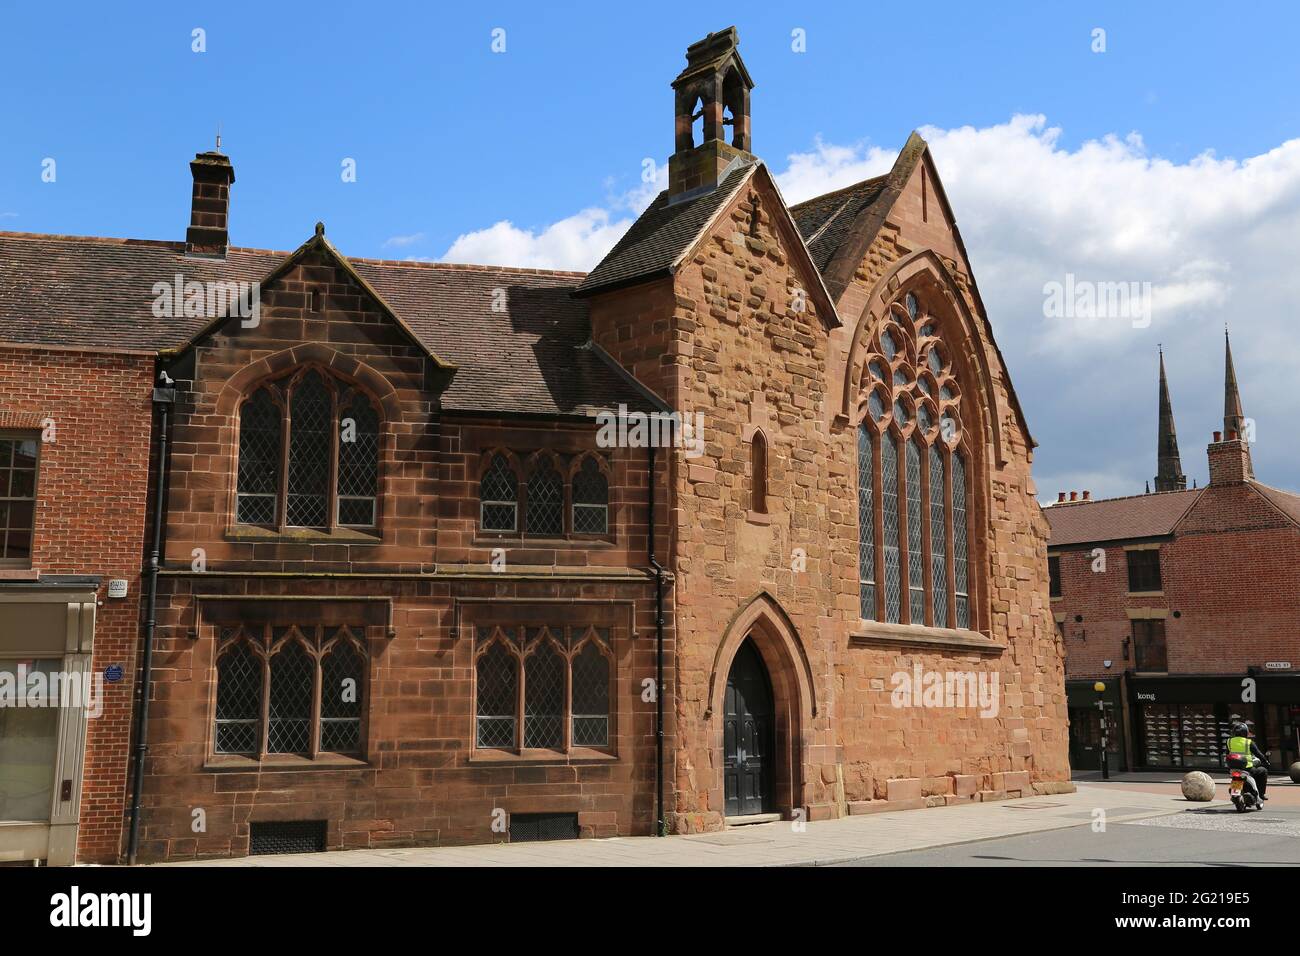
x,y
1239,729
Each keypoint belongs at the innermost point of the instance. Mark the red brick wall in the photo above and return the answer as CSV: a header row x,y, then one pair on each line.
x,y
90,519
1231,570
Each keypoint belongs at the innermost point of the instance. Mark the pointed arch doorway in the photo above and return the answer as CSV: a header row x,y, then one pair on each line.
x,y
748,735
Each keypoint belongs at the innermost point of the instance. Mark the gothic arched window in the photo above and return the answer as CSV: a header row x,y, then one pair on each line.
x,y
590,499
545,499
866,523
918,570
497,680
758,473
498,495
308,455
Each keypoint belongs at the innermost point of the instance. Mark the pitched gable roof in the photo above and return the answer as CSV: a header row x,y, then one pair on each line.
x,y
839,227
661,236
77,292
1118,519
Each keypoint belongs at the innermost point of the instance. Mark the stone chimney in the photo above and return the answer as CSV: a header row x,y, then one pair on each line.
x,y
1229,459
714,86
209,232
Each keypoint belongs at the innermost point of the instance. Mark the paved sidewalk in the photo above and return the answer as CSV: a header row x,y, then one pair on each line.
x,y
775,844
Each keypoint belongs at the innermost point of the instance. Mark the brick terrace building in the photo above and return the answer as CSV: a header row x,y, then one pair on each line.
x,y
411,574
1185,602
74,460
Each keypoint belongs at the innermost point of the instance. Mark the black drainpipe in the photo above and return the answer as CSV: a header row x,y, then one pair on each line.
x,y
164,396
661,828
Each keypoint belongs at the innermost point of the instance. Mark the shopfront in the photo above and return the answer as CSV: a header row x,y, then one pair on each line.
x,y
1086,725
1184,722
47,693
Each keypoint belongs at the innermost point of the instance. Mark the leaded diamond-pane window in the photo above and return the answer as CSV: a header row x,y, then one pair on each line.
x,y
259,460
499,496
342,680
866,524
959,544
590,698
239,701
910,302
544,697
545,500
358,463
938,540
915,560
292,689
590,499
310,444
497,694
891,527
331,450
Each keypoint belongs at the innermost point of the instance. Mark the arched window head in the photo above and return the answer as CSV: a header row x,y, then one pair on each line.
x,y
308,455
911,404
758,472
499,496
590,499
258,500
497,694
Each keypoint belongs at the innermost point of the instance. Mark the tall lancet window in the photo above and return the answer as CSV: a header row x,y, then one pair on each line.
x,y
938,539
866,523
959,543
890,526
913,490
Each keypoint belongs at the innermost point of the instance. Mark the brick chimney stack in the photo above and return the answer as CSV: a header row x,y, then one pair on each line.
x,y
715,80
209,232
1229,459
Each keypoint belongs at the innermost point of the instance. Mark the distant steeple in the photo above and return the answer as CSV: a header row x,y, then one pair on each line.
x,y
1234,420
1169,468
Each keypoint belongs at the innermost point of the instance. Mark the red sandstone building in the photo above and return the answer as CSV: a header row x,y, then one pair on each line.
x,y
1185,603
412,590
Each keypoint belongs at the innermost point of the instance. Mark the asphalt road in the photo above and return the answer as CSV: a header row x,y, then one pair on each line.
x,y
1208,837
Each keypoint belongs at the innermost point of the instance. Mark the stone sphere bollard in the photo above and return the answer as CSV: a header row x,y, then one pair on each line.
x,y
1198,786
1295,772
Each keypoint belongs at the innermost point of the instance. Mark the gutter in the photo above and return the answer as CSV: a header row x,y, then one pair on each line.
x,y
164,396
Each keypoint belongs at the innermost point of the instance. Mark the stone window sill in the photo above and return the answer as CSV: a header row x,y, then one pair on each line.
x,y
758,517
1146,594
578,755
271,764
302,535
487,539
881,634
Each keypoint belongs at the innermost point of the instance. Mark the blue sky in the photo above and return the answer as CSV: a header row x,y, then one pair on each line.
x,y
450,138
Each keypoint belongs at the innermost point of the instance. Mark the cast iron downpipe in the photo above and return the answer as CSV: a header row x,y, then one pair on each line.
x,y
660,826
164,396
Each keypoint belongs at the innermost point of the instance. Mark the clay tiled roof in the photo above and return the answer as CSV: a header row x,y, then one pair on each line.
x,y
1118,519
533,358
663,234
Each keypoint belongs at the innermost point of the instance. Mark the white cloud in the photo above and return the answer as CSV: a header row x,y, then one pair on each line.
x,y
403,241
1212,236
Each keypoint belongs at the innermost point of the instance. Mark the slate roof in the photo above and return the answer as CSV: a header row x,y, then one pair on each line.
x,y
664,233
1116,519
534,358
826,222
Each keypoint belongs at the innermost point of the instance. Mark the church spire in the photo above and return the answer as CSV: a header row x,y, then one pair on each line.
x,y
1169,467
1234,420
